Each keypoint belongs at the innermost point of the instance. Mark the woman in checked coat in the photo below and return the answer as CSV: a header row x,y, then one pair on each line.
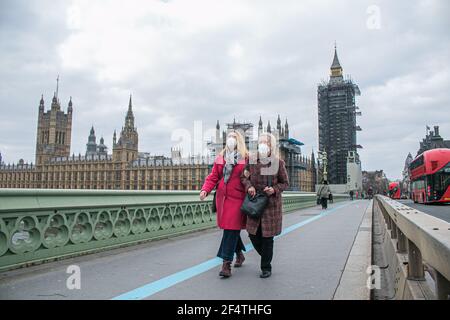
x,y
267,175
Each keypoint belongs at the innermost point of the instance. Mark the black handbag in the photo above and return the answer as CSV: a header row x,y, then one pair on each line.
x,y
254,206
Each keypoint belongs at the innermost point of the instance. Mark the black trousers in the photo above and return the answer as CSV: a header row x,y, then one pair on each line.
x,y
264,246
324,202
231,244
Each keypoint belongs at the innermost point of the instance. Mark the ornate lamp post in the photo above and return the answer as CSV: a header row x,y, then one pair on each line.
x,y
323,158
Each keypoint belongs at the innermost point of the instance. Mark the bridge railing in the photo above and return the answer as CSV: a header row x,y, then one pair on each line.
x,y
39,225
424,239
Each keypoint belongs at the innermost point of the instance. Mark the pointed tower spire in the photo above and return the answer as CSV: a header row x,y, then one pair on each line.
x,y
57,87
41,104
268,126
217,132
336,69
129,119
336,63
91,146
55,102
69,109
260,126
286,129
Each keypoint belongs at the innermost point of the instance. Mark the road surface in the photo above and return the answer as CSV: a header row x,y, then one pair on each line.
x,y
438,211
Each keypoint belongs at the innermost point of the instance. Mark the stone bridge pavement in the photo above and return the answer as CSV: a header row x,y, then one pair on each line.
x,y
309,261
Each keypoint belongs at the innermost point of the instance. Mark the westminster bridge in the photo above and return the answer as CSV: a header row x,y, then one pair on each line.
x,y
130,245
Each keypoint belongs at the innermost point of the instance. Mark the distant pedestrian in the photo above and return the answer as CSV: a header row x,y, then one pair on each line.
x,y
230,194
330,198
370,192
351,194
323,194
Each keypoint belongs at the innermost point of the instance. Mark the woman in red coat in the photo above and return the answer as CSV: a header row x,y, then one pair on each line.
x,y
230,193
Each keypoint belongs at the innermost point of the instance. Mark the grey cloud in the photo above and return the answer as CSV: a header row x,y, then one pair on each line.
x,y
287,51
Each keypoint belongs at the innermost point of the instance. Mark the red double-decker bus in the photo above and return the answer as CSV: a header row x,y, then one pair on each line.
x,y
394,190
430,177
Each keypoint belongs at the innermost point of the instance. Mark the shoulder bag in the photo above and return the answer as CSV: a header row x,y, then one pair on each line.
x,y
254,206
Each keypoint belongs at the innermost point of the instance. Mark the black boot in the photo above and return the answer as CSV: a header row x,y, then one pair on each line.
x,y
265,274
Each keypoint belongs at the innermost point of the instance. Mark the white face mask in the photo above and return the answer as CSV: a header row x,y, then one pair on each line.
x,y
231,143
263,150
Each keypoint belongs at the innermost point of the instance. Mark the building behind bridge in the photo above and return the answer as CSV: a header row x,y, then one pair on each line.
x,y
337,111
406,175
432,140
126,168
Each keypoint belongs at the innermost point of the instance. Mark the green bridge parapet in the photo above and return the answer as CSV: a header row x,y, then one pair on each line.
x,y
39,225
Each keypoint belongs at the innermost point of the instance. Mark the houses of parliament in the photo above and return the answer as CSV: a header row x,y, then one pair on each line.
x,y
126,168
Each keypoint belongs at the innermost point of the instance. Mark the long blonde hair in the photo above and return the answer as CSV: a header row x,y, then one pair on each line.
x,y
240,146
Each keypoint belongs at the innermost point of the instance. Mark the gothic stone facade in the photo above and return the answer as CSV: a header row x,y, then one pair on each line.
x,y
125,168
432,140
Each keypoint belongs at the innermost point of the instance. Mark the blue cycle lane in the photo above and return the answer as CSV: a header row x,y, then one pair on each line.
x,y
207,269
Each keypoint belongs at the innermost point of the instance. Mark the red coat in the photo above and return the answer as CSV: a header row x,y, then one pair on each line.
x,y
229,196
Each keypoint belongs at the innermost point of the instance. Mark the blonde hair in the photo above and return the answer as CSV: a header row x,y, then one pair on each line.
x,y
240,147
274,150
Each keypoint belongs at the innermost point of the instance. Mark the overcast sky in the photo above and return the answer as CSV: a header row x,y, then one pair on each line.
x,y
203,60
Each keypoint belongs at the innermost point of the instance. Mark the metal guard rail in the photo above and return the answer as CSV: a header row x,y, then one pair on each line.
x,y
38,225
423,237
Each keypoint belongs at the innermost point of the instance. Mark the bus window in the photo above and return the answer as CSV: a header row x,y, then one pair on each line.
x,y
440,181
417,163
